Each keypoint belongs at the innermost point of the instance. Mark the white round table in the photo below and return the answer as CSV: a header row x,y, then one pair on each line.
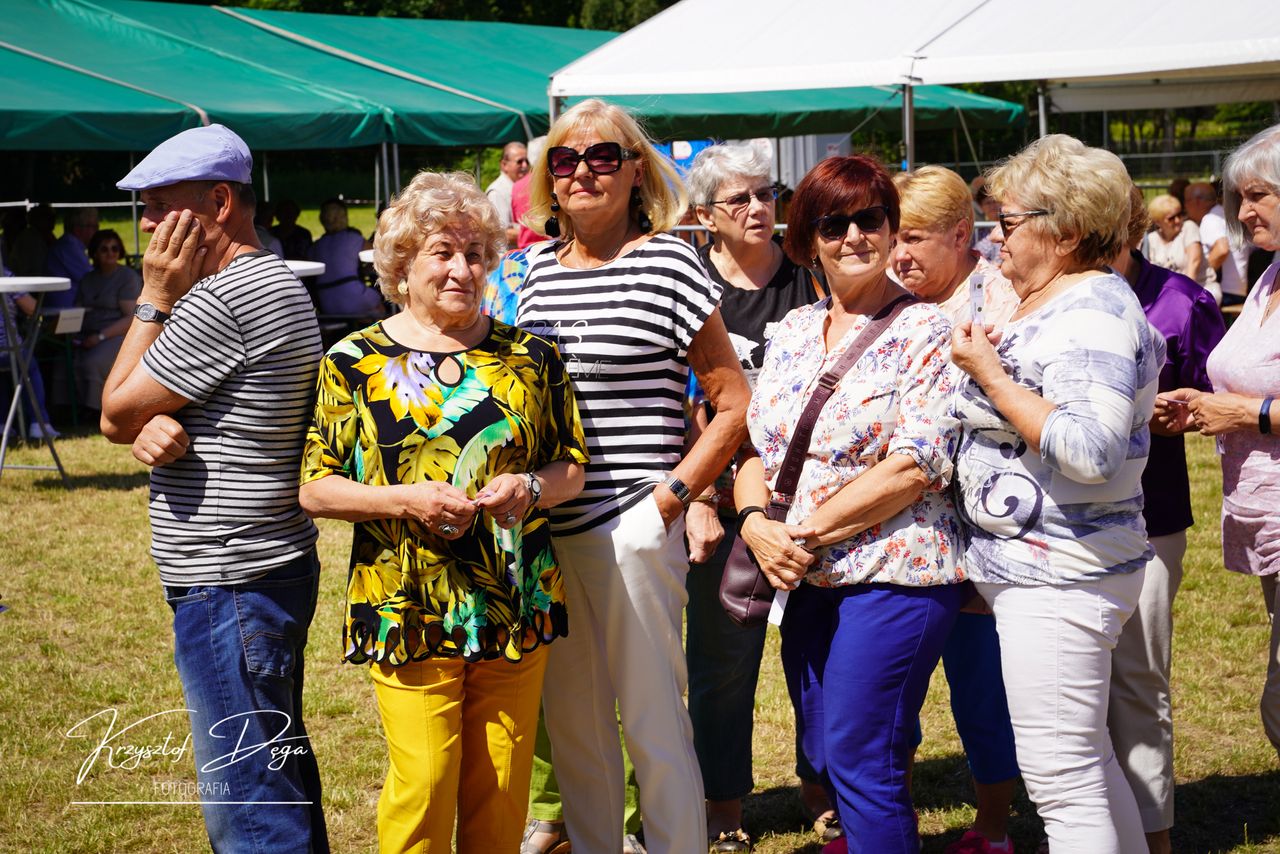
x,y
366,256
20,356
306,268
33,284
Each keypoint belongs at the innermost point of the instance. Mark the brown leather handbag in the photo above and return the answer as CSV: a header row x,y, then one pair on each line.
x,y
745,593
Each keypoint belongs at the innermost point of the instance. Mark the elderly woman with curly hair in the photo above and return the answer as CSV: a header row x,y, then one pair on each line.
x,y
445,436
1054,411
633,312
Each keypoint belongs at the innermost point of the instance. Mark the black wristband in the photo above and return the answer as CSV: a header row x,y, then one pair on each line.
x,y
1264,416
747,511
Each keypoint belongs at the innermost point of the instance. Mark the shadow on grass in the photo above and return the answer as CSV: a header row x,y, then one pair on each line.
x,y
777,811
132,480
1221,813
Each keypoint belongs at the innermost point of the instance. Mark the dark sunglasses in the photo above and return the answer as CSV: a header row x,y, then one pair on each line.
x,y
764,197
603,158
836,226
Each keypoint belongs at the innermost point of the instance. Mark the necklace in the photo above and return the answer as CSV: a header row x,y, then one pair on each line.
x,y
598,262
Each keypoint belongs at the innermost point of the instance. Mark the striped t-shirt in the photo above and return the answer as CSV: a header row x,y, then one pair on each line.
x,y
243,346
624,331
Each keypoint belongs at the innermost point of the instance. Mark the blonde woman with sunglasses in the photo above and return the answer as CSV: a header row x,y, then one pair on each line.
x,y
632,311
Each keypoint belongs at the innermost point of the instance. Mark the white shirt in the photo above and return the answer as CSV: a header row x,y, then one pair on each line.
x,y
499,192
1234,274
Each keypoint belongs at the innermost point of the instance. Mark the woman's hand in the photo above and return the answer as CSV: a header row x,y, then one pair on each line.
x,y
1172,414
703,530
973,351
506,498
1225,412
437,504
778,550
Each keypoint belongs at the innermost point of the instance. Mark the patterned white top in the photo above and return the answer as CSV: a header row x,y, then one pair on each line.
x,y
1074,511
894,400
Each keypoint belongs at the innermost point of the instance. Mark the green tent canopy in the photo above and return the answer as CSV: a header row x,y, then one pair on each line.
x,y
125,74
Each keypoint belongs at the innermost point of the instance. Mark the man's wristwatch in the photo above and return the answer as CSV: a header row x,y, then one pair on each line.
x,y
535,487
678,489
148,313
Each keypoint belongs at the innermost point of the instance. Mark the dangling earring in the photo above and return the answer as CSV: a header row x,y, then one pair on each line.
x,y
642,218
403,287
552,226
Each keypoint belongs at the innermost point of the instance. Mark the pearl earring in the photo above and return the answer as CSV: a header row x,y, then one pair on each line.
x,y
403,287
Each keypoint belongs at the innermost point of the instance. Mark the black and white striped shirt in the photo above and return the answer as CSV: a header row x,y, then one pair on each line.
x,y
243,346
624,331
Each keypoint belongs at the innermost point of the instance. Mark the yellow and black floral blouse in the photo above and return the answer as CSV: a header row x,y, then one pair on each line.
x,y
387,415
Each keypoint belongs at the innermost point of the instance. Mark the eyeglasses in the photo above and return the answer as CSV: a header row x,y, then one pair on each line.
x,y
766,196
1010,221
1174,217
603,158
836,226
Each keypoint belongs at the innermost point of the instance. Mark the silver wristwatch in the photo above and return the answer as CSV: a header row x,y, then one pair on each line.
x,y
535,487
148,313
678,489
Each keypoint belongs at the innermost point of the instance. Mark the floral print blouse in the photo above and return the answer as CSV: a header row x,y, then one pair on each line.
x,y
894,400
386,414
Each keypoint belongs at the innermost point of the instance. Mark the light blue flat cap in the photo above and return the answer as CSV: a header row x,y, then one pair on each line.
x,y
213,153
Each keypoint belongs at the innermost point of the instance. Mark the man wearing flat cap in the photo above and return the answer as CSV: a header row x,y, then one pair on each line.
x,y
212,387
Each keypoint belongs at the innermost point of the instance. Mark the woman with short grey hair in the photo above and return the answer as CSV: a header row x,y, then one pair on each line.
x,y
734,197
1245,371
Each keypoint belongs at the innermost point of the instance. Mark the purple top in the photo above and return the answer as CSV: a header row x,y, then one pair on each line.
x,y
340,290
68,258
1188,318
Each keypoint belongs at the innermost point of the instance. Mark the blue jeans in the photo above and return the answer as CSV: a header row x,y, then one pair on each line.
x,y
858,660
239,652
724,666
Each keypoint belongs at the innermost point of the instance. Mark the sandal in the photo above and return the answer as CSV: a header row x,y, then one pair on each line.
x,y
559,844
731,841
828,827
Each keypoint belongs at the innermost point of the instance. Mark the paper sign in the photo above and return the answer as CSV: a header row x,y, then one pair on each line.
x,y
69,320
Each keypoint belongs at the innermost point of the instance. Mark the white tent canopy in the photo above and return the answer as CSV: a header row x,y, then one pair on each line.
x,y
1092,54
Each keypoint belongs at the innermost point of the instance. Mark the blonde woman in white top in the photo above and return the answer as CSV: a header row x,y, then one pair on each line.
x,y
1175,242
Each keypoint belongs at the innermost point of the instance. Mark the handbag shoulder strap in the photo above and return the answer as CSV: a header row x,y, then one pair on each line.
x,y
789,473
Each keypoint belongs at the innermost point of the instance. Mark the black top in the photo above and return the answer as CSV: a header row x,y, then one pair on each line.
x,y
750,314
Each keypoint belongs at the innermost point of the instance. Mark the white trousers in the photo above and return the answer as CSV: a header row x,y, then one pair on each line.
x,y
1055,650
623,657
1140,714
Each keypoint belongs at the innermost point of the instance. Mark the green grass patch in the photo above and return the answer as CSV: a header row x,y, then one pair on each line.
x,y
89,630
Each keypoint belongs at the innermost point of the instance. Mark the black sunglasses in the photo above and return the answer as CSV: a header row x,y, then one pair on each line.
x,y
836,226
603,158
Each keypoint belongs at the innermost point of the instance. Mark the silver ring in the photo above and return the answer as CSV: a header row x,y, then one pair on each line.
x,y
448,530
509,518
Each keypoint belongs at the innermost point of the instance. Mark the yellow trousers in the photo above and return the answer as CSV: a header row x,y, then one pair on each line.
x,y
460,740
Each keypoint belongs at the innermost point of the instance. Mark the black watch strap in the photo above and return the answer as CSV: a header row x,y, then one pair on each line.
x,y
747,511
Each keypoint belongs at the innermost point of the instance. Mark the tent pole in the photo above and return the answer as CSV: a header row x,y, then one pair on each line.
x,y
133,209
377,185
395,164
908,127
556,107
386,174
1106,130
1044,109
266,182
